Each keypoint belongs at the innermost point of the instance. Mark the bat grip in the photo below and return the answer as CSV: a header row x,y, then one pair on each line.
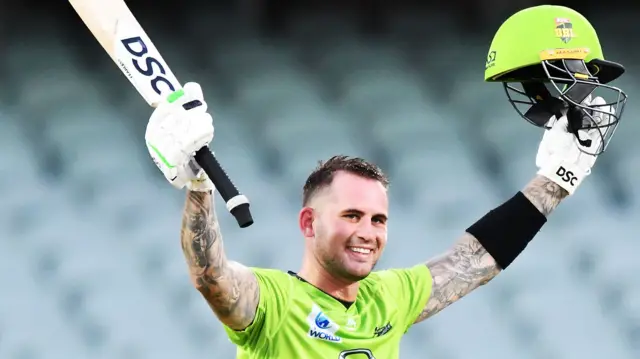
x,y
237,204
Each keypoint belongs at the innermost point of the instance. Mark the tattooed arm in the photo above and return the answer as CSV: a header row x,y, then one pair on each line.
x,y
229,288
468,265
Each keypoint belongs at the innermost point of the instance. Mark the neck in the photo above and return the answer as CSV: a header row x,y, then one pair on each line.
x,y
336,287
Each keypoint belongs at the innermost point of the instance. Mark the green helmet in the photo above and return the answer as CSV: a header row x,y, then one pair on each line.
x,y
551,57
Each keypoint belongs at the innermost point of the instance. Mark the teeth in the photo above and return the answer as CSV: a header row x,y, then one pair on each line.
x,y
360,250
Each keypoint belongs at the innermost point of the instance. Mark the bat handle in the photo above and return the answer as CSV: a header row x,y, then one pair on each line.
x,y
237,204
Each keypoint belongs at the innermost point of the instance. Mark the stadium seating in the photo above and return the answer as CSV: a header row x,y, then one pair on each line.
x,y
91,267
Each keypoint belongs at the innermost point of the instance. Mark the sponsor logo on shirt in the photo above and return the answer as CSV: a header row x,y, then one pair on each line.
x,y
380,331
321,327
351,324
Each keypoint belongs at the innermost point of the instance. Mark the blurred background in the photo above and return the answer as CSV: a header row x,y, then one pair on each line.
x,y
90,261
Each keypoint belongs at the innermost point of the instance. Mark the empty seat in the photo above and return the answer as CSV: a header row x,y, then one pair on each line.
x,y
616,262
364,89
412,125
19,157
443,181
95,141
632,301
591,333
238,150
34,223
238,60
476,321
628,168
264,90
137,320
84,261
28,317
304,134
346,56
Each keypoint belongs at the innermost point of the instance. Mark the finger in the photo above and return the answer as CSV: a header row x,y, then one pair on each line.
x,y
194,98
193,90
601,112
562,125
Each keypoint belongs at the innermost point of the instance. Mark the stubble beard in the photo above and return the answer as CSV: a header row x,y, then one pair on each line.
x,y
335,265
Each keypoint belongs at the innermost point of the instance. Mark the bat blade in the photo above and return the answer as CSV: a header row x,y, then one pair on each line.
x,y
123,38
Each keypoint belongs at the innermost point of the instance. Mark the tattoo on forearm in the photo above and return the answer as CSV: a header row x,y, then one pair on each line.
x,y
230,288
462,269
544,194
468,265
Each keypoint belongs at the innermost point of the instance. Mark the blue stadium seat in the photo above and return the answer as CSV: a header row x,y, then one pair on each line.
x,y
264,90
90,260
379,88
558,306
348,55
305,133
487,326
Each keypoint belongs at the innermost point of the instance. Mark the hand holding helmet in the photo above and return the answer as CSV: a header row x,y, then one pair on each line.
x,y
563,155
560,77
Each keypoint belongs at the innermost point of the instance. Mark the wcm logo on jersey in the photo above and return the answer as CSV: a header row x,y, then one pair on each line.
x,y
321,327
564,29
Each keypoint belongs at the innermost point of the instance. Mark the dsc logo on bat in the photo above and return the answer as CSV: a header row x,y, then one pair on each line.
x,y
146,65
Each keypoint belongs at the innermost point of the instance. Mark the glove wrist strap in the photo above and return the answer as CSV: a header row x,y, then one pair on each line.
x,y
565,174
201,184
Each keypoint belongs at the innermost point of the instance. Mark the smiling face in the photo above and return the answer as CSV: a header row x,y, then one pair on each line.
x,y
345,225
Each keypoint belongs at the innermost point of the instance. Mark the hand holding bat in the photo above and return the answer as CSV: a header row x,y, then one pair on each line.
x,y
177,129
121,36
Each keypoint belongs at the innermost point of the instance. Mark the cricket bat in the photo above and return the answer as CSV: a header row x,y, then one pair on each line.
x,y
123,38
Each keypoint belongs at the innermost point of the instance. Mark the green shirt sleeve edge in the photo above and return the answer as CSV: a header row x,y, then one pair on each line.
x,y
261,312
423,270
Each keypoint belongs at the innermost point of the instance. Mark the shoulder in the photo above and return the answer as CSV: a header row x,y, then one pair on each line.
x,y
395,277
269,272
410,288
401,284
272,277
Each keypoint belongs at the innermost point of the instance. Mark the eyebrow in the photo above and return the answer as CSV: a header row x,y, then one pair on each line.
x,y
359,212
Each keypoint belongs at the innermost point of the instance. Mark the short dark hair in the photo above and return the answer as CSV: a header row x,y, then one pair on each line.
x,y
322,175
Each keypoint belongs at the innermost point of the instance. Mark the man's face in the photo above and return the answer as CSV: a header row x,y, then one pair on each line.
x,y
349,226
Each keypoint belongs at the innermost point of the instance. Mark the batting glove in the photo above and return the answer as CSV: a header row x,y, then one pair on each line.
x,y
176,130
560,157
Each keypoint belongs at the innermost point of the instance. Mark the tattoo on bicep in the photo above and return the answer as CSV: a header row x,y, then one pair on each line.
x,y
456,273
230,288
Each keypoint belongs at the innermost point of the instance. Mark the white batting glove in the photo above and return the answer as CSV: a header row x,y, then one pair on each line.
x,y
560,158
175,132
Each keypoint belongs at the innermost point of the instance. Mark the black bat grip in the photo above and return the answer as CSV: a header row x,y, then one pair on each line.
x,y
237,204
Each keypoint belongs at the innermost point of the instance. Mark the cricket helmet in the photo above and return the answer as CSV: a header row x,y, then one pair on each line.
x,y
550,61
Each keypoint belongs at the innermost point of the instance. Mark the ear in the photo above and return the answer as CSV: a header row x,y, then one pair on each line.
x,y
305,221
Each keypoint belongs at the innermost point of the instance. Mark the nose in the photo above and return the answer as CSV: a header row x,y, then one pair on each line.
x,y
367,232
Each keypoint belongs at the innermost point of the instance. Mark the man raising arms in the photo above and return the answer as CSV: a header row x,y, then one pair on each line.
x,y
337,305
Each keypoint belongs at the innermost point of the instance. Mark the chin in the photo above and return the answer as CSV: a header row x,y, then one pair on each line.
x,y
353,271
358,274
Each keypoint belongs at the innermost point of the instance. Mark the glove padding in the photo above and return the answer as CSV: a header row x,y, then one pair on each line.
x,y
175,132
560,158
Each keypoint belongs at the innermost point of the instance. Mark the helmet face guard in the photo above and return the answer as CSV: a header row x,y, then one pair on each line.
x,y
561,89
